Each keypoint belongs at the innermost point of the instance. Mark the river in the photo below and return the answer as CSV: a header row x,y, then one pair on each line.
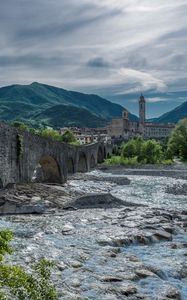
x,y
129,252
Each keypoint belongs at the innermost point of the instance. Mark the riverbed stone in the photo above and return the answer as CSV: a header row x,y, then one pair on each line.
x,y
75,264
119,180
68,229
127,290
183,271
35,199
171,293
101,200
163,235
143,273
111,278
61,266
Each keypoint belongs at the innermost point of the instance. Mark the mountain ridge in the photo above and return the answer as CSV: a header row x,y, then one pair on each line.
x,y
174,115
24,102
40,104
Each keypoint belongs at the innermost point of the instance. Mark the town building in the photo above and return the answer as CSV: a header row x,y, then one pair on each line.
x,y
123,129
89,135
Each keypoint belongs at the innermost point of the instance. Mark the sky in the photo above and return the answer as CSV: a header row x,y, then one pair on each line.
x,y
114,48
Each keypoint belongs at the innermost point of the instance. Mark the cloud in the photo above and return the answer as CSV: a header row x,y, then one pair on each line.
x,y
109,47
98,62
156,99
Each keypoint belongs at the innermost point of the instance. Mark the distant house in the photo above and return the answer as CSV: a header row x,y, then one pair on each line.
x,y
89,135
124,129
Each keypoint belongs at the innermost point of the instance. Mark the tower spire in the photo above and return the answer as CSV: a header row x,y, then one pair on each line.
x,y
142,109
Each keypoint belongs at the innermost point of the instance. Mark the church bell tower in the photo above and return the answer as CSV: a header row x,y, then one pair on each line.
x,y
142,109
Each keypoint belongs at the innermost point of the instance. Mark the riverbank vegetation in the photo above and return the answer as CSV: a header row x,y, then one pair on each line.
x,y
17,283
138,151
177,143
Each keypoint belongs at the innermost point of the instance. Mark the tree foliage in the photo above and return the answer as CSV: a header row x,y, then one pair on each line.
x,y
16,283
177,144
68,137
148,152
132,148
151,152
50,133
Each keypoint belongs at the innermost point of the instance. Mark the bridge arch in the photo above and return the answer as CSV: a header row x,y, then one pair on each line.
x,y
92,162
100,156
47,170
1,183
108,155
70,166
82,163
104,153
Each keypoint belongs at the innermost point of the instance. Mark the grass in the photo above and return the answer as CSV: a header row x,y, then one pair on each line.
x,y
118,160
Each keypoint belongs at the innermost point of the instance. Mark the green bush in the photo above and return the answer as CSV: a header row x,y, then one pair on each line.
x,y
20,125
16,283
139,151
151,152
148,152
120,160
177,144
50,133
68,137
132,148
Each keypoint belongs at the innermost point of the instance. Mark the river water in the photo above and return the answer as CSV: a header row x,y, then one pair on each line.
x,y
91,246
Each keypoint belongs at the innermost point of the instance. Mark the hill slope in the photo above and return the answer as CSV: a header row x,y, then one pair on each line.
x,y
67,115
25,102
174,115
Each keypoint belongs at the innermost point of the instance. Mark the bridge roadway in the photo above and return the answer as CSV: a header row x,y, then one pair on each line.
x,y
25,157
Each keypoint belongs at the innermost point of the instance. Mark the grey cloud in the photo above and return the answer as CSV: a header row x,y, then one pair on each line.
x,y
102,46
98,62
34,61
176,34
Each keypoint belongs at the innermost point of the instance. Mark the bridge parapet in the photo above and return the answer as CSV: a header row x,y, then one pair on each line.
x,y
25,157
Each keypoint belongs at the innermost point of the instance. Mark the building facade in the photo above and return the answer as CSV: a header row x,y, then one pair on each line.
x,y
124,129
89,135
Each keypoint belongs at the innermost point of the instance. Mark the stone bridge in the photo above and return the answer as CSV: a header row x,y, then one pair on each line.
x,y
25,157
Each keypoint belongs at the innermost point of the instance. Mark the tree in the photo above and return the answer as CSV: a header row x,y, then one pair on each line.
x,y
177,144
132,148
50,133
16,283
129,149
68,137
152,152
149,152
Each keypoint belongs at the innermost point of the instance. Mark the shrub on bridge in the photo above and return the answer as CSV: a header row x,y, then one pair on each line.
x,y
20,125
50,133
68,137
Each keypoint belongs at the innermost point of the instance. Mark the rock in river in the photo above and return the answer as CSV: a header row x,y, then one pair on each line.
x,y
105,200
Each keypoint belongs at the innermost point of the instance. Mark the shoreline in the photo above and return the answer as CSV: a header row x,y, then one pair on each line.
x,y
42,198
178,171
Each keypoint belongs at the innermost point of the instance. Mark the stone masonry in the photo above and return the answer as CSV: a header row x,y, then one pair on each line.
x,y
25,157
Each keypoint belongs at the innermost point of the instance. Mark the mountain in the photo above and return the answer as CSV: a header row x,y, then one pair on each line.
x,y
43,104
68,116
174,115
